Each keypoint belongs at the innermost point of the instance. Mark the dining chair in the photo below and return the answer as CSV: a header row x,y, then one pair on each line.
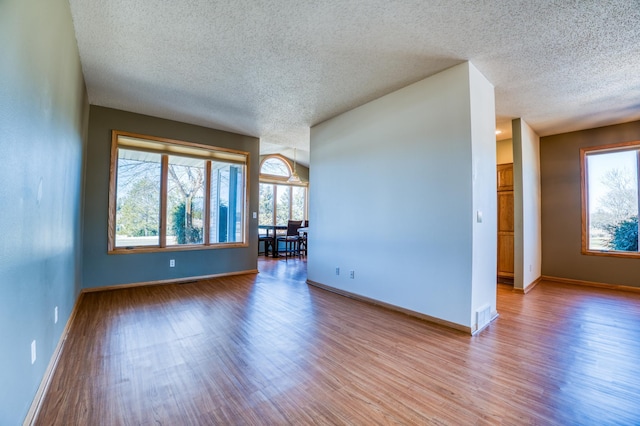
x,y
303,239
268,242
291,240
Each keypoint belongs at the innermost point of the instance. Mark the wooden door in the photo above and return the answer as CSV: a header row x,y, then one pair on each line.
x,y
505,220
505,177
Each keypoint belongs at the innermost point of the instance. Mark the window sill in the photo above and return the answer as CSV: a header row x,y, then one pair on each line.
x,y
629,254
155,249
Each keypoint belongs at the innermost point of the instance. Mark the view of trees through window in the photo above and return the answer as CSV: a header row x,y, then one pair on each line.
x,y
612,204
286,201
138,203
138,200
280,202
266,204
274,166
185,197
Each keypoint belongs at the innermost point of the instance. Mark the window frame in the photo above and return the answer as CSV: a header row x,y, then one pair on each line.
x,y
264,177
584,175
283,180
177,148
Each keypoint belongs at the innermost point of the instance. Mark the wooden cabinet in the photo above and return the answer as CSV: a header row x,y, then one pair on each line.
x,y
505,220
505,211
505,177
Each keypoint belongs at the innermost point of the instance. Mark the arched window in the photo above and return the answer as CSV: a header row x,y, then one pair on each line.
x,y
275,166
280,200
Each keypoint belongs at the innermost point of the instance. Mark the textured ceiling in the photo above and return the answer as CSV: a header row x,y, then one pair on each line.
x,y
274,68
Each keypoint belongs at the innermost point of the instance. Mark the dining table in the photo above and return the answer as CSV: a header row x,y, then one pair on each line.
x,y
272,231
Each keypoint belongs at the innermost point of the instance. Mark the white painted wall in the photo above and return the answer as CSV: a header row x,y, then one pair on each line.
x,y
527,205
483,147
394,196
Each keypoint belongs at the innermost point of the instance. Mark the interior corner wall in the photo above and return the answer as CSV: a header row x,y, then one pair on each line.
x,y
393,197
101,269
43,116
561,209
527,205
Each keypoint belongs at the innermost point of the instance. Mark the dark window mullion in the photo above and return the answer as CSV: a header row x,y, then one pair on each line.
x,y
207,204
164,181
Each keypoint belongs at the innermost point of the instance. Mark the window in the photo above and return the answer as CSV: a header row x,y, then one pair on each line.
x,y
610,199
173,195
276,167
280,201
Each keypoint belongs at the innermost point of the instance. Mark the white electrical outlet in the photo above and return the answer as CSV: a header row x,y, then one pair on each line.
x,y
55,315
352,274
172,263
33,352
337,271
255,215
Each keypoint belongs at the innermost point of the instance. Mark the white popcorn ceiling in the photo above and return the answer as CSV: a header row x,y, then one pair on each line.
x,y
272,69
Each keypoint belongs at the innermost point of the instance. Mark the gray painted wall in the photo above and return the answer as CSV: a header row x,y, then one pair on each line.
x,y
43,116
101,269
561,208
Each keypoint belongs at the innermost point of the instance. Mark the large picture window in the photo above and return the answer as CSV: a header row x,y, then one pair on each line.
x,y
610,199
173,195
280,201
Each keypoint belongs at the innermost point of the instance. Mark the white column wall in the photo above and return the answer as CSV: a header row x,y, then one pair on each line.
x,y
483,146
394,196
527,205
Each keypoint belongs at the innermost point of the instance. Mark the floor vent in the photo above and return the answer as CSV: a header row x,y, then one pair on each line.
x,y
483,316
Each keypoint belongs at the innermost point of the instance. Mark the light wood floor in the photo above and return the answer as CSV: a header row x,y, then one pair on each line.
x,y
269,349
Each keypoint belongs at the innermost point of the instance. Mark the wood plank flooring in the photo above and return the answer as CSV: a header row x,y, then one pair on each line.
x,y
269,349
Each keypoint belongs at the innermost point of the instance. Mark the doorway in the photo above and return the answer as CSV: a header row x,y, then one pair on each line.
x,y
505,223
